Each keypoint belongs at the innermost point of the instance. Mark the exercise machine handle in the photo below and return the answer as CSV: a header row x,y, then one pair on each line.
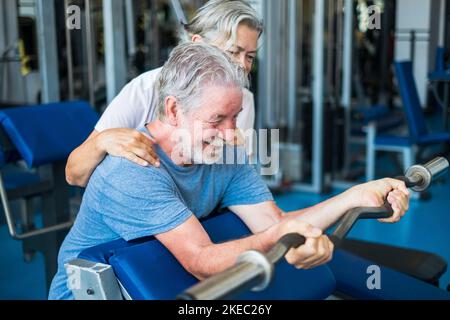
x,y
286,243
254,270
417,177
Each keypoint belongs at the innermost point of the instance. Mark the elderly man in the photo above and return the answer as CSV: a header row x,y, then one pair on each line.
x,y
200,87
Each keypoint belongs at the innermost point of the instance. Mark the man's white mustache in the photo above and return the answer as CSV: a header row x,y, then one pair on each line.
x,y
216,142
220,142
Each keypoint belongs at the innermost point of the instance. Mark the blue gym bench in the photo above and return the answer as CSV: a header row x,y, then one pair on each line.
x,y
35,142
145,270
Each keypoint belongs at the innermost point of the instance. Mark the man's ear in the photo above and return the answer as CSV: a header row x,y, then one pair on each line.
x,y
171,110
197,38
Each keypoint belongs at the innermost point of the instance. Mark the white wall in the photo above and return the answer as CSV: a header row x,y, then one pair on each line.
x,y
414,14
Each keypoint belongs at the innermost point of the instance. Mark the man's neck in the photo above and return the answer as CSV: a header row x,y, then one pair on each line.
x,y
162,135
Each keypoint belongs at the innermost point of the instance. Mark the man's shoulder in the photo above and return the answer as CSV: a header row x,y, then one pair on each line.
x,y
122,173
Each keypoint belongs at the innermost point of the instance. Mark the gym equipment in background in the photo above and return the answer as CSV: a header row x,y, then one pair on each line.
x,y
41,137
419,135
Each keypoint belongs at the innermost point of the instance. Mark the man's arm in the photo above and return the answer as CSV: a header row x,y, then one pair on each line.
x,y
193,248
261,216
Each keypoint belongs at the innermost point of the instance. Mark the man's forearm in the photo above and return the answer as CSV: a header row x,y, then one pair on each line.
x,y
215,258
83,161
325,214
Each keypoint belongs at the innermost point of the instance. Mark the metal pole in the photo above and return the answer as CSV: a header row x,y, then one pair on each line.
x,y
268,96
116,73
181,17
340,47
69,57
300,30
292,70
330,89
384,64
48,57
282,93
130,27
348,55
318,86
347,71
90,52
274,86
413,46
262,73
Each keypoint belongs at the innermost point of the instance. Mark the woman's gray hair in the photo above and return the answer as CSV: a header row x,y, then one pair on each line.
x,y
192,66
217,22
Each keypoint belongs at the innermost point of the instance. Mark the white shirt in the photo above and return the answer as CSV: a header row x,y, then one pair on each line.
x,y
135,106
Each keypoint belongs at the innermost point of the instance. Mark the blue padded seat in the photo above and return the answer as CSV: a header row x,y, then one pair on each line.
x,y
14,177
351,276
439,64
383,117
388,140
103,252
149,271
434,138
406,141
48,133
439,75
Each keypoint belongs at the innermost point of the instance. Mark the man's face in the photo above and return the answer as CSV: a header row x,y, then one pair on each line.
x,y
212,123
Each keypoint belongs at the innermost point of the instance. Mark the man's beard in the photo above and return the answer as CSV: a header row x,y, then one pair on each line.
x,y
194,149
209,154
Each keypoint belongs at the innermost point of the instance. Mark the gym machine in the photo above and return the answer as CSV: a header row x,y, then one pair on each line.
x,y
254,270
145,269
42,150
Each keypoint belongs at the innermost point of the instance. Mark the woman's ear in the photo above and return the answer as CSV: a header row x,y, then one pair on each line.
x,y
171,110
197,38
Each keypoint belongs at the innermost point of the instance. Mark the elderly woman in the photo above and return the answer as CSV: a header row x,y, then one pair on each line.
x,y
231,25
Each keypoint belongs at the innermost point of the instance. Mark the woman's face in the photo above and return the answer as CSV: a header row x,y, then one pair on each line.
x,y
245,49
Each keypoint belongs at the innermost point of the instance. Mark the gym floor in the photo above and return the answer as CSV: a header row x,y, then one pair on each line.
x,y
425,227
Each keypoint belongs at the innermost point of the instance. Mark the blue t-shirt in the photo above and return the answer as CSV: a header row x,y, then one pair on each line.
x,y
125,200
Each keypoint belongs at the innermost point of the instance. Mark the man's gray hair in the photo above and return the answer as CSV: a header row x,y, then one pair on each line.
x,y
190,68
217,22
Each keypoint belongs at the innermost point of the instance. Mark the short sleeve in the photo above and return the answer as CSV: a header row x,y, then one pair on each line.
x,y
133,106
246,188
141,202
